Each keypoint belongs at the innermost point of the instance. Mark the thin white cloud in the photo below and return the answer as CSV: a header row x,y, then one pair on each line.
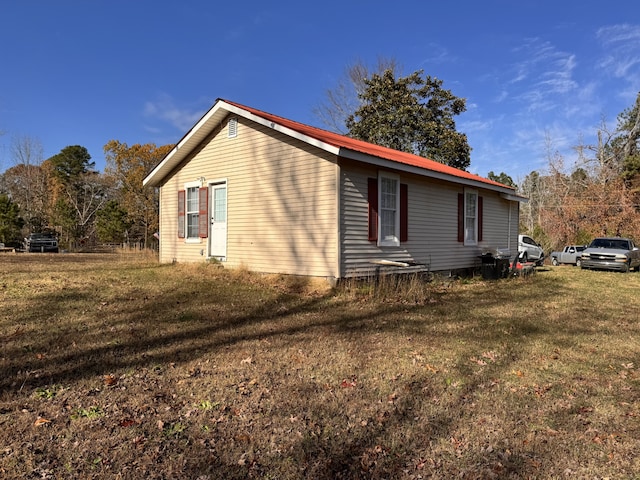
x,y
151,129
560,78
556,99
622,46
164,109
439,55
502,96
624,34
550,73
474,126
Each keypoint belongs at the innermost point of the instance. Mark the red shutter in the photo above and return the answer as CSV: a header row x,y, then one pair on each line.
x,y
181,199
461,217
480,218
203,212
404,212
372,196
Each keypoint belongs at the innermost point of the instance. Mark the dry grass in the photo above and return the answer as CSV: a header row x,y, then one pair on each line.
x,y
117,367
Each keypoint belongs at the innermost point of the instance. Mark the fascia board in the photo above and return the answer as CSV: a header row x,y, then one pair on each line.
x,y
184,146
403,167
286,131
514,198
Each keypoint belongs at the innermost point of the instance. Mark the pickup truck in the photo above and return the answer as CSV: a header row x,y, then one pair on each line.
x,y
571,254
41,242
611,253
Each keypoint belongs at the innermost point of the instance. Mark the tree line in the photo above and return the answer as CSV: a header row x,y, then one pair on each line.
x,y
598,193
66,195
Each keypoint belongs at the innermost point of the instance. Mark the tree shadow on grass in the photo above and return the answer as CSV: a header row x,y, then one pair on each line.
x,y
181,332
132,336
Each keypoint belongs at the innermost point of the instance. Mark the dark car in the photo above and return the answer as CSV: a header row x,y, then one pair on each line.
x,y
41,242
611,253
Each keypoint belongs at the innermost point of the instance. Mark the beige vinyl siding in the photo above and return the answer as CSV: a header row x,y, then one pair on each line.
x,y
432,224
358,253
500,223
281,202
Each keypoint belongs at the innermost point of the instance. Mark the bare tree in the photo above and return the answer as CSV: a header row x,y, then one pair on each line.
x,y
89,194
342,100
26,181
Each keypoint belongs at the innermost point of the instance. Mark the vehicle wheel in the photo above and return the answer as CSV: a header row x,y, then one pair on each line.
x,y
578,262
627,267
554,262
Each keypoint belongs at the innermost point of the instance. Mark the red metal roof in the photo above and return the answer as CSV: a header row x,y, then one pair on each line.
x,y
342,141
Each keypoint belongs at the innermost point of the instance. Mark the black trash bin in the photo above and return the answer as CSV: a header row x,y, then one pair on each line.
x,y
494,266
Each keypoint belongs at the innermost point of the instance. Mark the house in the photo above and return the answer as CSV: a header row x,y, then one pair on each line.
x,y
273,195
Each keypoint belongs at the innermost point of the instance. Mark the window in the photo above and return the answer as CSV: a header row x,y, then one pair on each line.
x,y
470,217
388,210
389,201
193,212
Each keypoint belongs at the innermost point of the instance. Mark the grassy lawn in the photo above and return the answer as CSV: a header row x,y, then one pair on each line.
x,y
117,367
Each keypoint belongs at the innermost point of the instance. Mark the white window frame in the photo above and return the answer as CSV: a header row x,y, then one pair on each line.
x,y
188,212
392,240
470,238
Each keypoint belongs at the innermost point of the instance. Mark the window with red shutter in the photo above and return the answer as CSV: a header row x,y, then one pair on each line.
x,y
480,208
460,217
181,212
470,206
372,196
404,212
203,212
388,210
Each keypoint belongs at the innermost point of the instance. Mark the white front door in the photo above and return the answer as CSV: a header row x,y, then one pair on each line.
x,y
218,232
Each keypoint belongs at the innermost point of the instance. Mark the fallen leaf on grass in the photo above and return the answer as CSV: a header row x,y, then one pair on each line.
x,y
243,437
431,368
110,380
247,360
348,383
41,421
491,355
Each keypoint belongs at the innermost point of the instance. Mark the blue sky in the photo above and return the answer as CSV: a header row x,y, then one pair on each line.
x,y
85,72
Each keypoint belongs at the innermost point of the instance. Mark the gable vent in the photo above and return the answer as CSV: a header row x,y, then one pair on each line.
x,y
233,128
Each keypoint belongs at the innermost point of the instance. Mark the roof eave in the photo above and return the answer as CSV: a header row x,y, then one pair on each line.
x,y
191,139
221,109
424,172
